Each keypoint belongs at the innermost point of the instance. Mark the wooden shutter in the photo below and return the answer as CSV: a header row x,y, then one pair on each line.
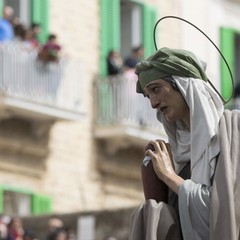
x,y
227,46
149,21
40,14
109,30
41,204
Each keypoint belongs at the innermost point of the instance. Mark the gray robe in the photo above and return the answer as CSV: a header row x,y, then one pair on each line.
x,y
225,200
205,212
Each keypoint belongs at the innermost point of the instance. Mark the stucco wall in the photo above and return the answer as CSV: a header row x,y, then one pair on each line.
x,y
72,170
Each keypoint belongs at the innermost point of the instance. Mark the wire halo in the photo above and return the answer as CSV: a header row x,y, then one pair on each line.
x,y
224,59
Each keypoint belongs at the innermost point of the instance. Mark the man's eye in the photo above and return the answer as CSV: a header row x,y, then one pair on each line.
x,y
155,89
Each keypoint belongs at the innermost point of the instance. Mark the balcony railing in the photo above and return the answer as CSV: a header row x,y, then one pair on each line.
x,y
25,78
118,104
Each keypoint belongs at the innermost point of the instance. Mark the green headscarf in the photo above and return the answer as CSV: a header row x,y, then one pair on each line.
x,y
168,62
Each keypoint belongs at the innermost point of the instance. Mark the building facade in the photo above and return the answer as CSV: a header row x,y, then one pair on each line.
x,y
70,138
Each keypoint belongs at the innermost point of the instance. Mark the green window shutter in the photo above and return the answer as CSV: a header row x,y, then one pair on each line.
x,y
227,46
1,199
149,21
1,7
109,30
40,14
41,204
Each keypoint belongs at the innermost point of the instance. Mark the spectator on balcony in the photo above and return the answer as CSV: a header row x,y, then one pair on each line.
x,y
114,63
6,28
135,57
26,36
22,36
50,50
34,32
17,28
200,164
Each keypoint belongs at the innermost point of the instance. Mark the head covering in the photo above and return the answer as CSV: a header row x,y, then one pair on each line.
x,y
200,146
169,62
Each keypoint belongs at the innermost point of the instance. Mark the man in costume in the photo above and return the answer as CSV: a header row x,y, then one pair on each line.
x,y
204,199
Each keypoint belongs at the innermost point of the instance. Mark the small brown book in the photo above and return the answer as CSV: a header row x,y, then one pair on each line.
x,y
153,187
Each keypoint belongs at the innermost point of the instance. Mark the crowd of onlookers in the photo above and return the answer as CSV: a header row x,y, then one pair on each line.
x,y
12,228
13,30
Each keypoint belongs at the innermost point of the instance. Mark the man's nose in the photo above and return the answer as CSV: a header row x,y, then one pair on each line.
x,y
154,102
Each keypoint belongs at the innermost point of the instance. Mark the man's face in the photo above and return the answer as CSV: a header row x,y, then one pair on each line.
x,y
8,12
36,30
167,100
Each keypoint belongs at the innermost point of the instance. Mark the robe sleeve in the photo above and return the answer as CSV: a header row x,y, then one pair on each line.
x,y
194,210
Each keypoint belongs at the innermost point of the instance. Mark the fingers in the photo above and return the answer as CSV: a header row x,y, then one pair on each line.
x,y
169,149
156,147
161,158
149,146
159,145
170,154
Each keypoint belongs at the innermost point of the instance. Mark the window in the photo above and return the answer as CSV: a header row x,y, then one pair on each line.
x,y
230,48
125,24
15,203
110,30
137,22
21,202
22,10
237,58
31,11
131,30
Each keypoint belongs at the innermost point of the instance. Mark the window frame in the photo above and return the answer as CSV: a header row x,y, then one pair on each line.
x,y
40,204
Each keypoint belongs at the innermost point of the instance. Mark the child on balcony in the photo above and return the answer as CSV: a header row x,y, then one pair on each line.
x,y
50,50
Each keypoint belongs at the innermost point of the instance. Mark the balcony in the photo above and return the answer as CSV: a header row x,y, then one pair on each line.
x,y
31,89
124,117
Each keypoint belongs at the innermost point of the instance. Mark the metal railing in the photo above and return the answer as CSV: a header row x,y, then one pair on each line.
x,y
118,103
24,76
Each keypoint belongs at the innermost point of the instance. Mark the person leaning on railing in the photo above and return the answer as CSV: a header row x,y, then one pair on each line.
x,y
6,28
50,50
114,63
